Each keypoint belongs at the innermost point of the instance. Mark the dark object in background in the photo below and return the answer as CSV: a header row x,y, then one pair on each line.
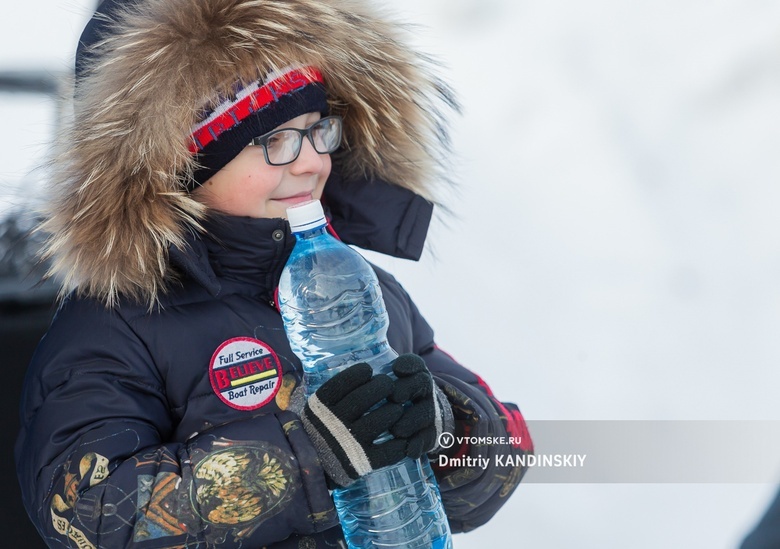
x,y
21,326
766,534
26,308
26,304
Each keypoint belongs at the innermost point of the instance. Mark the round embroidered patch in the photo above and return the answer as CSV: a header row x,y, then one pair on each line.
x,y
245,373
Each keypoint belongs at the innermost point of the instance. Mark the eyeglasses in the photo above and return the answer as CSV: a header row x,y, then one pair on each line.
x,y
283,146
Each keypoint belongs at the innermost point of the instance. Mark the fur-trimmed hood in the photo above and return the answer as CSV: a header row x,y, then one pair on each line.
x,y
120,199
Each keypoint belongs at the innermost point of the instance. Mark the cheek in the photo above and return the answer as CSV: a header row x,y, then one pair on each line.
x,y
258,184
249,174
324,174
243,194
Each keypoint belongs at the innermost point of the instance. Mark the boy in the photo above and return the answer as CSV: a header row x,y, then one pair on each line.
x,y
144,420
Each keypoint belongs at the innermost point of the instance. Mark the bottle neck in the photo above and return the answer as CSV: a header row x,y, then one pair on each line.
x,y
311,233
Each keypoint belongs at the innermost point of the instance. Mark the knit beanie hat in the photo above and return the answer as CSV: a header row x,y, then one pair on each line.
x,y
253,110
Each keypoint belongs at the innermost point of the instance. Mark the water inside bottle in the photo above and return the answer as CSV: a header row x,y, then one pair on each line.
x,y
335,316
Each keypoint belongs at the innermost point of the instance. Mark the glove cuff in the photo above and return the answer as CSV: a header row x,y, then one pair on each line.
x,y
341,455
444,420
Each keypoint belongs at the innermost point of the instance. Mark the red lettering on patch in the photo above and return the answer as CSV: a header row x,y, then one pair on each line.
x,y
245,373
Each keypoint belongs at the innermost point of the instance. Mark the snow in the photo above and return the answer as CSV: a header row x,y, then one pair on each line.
x,y
612,247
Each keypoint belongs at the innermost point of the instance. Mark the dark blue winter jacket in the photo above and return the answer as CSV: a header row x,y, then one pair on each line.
x,y
171,428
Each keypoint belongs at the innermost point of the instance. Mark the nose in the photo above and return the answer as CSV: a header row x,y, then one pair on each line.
x,y
308,161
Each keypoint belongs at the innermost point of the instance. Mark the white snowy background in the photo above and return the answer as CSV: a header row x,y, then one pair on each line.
x,y
613,250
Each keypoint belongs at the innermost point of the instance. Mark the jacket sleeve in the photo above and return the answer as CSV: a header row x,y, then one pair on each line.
x,y
98,467
485,463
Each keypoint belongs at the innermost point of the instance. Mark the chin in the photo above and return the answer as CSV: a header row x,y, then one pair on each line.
x,y
272,213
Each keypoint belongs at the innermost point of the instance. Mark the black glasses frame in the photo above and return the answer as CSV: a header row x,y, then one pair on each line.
x,y
262,140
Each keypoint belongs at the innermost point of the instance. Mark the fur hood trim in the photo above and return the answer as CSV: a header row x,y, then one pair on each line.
x,y
120,176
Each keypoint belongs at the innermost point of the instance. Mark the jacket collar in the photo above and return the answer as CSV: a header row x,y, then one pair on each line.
x,y
241,254
378,216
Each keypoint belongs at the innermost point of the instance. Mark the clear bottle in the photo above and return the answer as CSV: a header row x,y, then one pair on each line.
x,y
334,316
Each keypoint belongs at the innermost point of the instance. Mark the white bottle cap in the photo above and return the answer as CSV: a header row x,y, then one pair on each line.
x,y
306,216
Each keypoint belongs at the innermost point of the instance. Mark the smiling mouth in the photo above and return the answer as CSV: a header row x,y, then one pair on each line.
x,y
297,198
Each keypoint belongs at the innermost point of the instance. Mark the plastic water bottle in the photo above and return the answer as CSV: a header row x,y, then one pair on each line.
x,y
335,317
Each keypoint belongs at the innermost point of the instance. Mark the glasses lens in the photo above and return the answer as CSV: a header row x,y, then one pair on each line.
x,y
326,135
283,146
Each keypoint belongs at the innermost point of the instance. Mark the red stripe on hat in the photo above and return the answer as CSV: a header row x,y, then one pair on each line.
x,y
270,92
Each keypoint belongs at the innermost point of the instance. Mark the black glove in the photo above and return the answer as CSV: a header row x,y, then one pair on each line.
x,y
427,413
341,424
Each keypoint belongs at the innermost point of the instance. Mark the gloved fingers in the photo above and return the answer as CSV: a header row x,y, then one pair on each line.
x,y
414,387
415,417
387,453
422,443
408,364
336,388
367,428
361,399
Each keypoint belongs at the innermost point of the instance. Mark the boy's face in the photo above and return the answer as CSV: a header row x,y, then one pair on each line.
x,y
248,186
